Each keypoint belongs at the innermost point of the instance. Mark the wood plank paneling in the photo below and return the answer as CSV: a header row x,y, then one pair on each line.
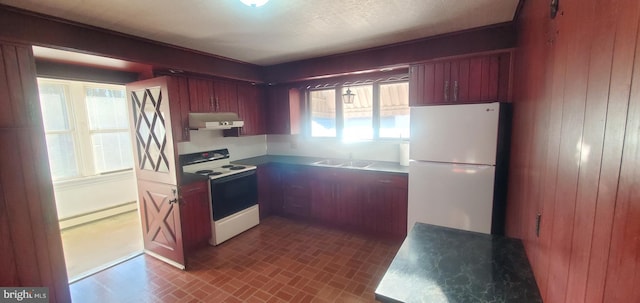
x,y
500,36
8,261
624,258
624,19
573,77
573,97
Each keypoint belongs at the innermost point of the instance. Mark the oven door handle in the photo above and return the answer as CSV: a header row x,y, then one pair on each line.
x,y
235,176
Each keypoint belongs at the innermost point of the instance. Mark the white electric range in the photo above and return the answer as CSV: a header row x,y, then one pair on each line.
x,y
233,192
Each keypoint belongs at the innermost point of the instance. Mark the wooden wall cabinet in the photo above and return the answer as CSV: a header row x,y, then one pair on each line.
x,y
283,110
252,109
179,107
195,214
200,95
212,95
466,80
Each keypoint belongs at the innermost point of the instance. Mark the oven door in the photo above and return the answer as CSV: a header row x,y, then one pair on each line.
x,y
234,193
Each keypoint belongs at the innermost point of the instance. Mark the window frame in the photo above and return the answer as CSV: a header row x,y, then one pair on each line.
x,y
78,113
340,122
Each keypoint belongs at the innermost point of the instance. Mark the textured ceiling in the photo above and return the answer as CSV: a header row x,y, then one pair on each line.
x,y
281,30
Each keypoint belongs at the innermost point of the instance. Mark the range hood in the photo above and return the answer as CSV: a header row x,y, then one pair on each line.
x,y
212,121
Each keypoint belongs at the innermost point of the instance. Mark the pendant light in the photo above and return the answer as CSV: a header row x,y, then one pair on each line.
x,y
348,97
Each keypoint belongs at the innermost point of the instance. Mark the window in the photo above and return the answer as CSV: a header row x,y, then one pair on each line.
x,y
358,116
87,128
59,133
323,112
380,111
394,110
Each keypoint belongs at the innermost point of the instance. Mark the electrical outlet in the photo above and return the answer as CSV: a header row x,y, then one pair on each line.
x,y
538,217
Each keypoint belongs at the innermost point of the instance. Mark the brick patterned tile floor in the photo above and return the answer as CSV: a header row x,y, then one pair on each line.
x,y
280,260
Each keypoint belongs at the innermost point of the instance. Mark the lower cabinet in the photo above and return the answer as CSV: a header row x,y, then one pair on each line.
x,y
371,202
195,215
264,190
385,204
296,193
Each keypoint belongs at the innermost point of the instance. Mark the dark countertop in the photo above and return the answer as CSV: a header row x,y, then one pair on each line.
x,y
439,264
381,166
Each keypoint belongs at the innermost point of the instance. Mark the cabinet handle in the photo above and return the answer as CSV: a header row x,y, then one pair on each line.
x,y
385,181
455,91
211,108
446,90
217,104
185,135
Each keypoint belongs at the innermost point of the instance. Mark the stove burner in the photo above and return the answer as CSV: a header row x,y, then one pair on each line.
x,y
227,166
238,167
215,173
204,172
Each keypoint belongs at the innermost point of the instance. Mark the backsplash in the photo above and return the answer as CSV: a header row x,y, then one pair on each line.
x,y
329,148
239,147
290,145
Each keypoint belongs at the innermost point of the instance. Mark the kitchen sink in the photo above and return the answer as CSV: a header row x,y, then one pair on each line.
x,y
329,162
344,163
357,164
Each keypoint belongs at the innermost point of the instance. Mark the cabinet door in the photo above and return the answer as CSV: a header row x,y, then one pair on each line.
x,y
417,85
179,107
296,193
478,80
225,96
265,185
201,99
283,110
195,214
350,197
324,202
467,80
251,109
386,199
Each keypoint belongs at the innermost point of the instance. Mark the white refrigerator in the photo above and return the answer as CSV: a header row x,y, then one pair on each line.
x,y
457,171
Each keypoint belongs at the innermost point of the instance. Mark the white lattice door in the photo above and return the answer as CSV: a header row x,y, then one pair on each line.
x,y
155,166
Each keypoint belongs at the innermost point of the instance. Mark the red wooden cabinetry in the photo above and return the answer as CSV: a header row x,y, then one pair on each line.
x,y
296,192
336,197
268,189
385,204
195,215
371,202
367,201
252,109
466,80
212,95
179,107
283,110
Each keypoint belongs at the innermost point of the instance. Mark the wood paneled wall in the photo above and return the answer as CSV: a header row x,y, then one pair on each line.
x,y
31,247
575,153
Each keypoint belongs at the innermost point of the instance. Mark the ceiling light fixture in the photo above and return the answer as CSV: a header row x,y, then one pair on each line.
x,y
348,97
254,3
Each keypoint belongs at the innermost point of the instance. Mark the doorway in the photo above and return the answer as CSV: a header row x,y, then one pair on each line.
x,y
90,154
